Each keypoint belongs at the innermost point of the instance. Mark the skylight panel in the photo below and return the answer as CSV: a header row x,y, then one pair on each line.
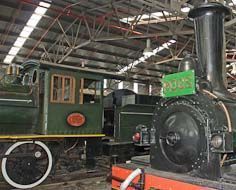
x,y
135,87
27,30
19,42
44,4
40,10
172,41
25,33
145,16
34,19
8,58
155,15
105,83
144,58
120,85
14,50
150,89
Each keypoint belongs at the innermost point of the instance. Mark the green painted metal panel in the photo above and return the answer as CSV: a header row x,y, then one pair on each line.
x,y
21,106
17,119
57,119
130,116
55,114
179,84
18,109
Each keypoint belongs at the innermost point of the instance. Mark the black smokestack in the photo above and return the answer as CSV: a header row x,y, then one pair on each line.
x,y
210,44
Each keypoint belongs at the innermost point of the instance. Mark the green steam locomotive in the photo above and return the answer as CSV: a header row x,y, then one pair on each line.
x,y
46,109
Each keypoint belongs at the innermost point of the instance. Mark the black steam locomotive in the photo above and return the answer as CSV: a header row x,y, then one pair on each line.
x,y
196,133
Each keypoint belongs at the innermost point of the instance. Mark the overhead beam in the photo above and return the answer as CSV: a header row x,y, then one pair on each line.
x,y
158,34
230,23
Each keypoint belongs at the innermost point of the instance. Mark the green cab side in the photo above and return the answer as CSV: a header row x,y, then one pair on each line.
x,y
54,115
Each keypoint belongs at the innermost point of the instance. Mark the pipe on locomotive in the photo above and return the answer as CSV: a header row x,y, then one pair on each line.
x,y
210,45
224,108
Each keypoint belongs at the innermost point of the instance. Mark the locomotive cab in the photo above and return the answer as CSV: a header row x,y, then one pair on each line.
x,y
68,93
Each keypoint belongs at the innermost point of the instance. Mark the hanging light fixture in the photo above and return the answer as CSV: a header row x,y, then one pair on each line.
x,y
148,50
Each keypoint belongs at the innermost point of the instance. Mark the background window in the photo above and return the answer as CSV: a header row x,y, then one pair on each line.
x,y
62,89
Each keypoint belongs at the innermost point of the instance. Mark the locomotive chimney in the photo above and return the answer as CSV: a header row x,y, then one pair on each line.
x,y
210,45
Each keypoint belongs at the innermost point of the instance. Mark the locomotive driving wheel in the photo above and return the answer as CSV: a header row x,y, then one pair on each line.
x,y
26,164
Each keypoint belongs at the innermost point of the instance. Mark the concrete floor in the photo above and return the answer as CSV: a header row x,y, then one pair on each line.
x,y
92,183
98,183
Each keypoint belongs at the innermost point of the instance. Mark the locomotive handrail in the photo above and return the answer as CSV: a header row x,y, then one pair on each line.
x,y
223,107
15,100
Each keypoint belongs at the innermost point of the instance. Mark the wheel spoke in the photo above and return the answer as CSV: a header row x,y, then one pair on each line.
x,y
42,164
27,171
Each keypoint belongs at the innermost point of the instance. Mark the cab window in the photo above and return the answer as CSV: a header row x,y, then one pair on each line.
x,y
63,89
90,91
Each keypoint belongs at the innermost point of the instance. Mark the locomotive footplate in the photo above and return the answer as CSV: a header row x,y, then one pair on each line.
x,y
161,180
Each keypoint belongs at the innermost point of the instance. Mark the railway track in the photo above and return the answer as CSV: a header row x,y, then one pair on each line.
x,y
79,179
85,184
71,181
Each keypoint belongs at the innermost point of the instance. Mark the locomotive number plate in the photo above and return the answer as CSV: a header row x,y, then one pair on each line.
x,y
178,84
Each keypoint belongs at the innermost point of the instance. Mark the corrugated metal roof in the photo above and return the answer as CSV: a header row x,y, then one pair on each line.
x,y
89,31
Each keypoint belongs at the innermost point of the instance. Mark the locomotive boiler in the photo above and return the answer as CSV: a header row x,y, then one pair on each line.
x,y
196,133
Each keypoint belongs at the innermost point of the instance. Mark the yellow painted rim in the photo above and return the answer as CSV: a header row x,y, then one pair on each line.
x,y
48,136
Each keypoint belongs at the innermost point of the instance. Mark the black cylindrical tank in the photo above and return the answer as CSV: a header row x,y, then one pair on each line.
x,y
210,44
